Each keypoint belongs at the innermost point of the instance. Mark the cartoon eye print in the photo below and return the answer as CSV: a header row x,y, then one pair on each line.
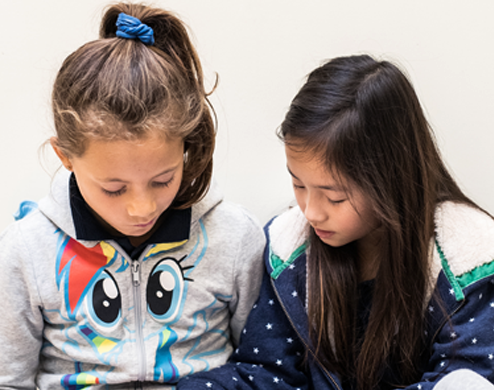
x,y
104,302
165,289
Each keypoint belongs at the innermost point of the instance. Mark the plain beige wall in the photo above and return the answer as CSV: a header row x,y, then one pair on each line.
x,y
262,50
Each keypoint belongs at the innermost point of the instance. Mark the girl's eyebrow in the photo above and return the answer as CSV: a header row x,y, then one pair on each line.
x,y
115,179
335,187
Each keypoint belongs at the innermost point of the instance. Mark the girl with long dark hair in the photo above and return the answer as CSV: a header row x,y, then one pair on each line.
x,y
383,276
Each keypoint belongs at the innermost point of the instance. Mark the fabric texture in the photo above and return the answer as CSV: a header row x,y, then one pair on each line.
x,y
272,351
464,380
77,313
130,27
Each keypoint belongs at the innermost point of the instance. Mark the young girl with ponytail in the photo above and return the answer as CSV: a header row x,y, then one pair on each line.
x,y
133,272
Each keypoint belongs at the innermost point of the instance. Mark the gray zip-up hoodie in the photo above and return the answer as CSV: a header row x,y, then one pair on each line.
x,y
82,313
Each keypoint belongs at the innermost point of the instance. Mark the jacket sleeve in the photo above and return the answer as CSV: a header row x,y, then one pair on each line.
x,y
21,325
247,274
270,354
466,339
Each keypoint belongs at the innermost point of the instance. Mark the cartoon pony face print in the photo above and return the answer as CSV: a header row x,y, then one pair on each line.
x,y
91,279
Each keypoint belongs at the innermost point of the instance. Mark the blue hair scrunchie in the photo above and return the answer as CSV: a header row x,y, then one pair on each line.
x,y
132,28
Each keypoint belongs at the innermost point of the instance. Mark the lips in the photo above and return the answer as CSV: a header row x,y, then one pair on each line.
x,y
147,224
324,234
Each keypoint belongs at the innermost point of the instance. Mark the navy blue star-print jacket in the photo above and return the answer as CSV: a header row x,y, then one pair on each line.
x,y
272,350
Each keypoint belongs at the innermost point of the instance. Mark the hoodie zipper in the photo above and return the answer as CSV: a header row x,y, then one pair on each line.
x,y
328,374
136,283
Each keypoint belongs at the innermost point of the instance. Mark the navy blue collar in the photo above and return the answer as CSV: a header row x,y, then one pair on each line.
x,y
174,225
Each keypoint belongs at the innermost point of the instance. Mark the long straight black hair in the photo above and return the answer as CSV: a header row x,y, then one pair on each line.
x,y
362,118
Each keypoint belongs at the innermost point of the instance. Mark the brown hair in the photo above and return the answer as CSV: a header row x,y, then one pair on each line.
x,y
362,118
114,88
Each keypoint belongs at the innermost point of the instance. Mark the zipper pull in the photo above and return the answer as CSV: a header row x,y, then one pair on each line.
x,y
136,273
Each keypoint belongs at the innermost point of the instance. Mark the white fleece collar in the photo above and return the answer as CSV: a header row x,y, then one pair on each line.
x,y
465,235
288,232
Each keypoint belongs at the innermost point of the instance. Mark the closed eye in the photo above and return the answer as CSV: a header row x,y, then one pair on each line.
x,y
115,193
160,184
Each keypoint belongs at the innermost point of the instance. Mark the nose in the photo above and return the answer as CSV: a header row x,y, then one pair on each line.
x,y
313,210
141,205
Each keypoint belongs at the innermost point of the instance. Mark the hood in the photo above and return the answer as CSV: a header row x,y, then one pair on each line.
x,y
465,245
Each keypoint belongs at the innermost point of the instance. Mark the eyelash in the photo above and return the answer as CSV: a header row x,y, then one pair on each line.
x,y
114,193
334,202
159,184
122,190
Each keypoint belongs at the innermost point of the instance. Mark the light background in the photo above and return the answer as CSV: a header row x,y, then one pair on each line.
x,y
262,51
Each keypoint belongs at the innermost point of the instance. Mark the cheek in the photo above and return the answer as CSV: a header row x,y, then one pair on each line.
x,y
301,203
300,198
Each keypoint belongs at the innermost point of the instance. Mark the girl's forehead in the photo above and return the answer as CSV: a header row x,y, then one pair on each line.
x,y
308,167
106,157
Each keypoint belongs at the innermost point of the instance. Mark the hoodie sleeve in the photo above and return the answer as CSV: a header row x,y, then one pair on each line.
x,y
21,326
270,354
247,275
466,339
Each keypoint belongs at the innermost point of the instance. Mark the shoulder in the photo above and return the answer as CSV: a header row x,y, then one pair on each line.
x,y
464,244
287,235
24,238
216,213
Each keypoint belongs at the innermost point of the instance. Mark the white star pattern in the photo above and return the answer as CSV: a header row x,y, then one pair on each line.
x,y
251,378
256,350
431,309
289,340
443,355
472,319
474,341
442,364
419,387
255,306
271,302
235,379
279,362
244,331
480,296
269,326
491,356
209,384
451,292
453,335
276,379
292,266
294,294
492,304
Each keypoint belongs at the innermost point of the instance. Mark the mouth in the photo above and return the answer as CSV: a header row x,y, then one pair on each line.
x,y
323,234
147,224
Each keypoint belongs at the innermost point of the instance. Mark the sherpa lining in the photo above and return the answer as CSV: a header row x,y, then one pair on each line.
x,y
465,239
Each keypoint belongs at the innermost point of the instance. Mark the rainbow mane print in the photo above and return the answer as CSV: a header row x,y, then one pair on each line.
x,y
77,267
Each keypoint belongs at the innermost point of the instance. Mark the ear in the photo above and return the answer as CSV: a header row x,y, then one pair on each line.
x,y
61,155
